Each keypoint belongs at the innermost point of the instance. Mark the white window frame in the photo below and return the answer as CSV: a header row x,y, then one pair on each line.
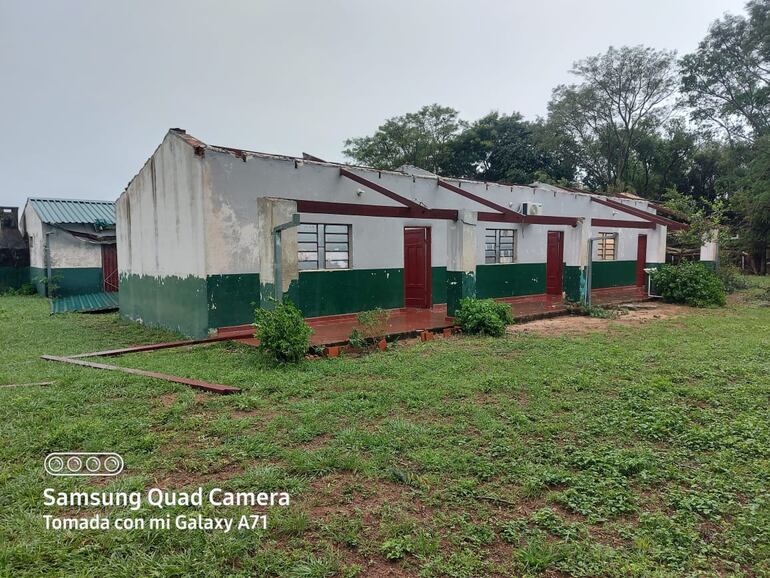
x,y
321,240
497,250
601,247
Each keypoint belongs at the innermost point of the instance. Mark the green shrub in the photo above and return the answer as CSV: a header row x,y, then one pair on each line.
x,y
731,278
372,328
689,283
483,316
25,289
282,332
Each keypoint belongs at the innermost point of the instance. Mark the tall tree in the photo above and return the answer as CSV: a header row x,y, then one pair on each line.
x,y
500,147
752,204
726,81
416,138
623,94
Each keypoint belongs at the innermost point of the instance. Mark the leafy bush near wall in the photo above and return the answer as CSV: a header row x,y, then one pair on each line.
x,y
25,289
731,278
282,332
689,283
483,316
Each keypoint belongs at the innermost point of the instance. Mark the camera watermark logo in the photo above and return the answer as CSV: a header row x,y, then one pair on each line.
x,y
83,464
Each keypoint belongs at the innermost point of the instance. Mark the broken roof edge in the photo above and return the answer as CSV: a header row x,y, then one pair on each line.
x,y
310,159
199,146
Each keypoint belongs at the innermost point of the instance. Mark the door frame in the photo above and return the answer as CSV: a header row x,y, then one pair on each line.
x,y
112,248
560,263
640,274
428,265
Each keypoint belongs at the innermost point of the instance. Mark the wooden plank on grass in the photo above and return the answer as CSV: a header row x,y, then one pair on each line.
x,y
212,387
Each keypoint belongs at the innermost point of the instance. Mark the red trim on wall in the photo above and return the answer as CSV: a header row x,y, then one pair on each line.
x,y
529,219
673,225
329,208
621,224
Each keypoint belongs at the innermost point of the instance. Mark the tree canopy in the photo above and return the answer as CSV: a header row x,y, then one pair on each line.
x,y
694,132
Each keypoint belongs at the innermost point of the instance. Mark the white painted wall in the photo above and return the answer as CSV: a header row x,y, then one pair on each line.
x,y
197,215
67,251
160,218
377,242
32,226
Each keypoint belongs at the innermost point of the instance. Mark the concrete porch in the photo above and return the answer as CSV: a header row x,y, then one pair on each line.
x,y
335,329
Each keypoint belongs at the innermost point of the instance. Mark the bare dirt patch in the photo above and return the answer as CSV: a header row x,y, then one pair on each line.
x,y
579,325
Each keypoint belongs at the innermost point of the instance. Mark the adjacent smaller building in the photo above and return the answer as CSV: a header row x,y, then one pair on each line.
x,y
72,248
14,255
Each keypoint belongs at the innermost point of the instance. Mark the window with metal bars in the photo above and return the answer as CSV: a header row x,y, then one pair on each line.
x,y
323,246
606,248
499,245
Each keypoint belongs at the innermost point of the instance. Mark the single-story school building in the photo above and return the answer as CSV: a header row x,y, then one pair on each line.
x,y
72,247
208,233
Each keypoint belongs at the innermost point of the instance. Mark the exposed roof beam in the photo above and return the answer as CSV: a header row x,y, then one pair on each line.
x,y
518,217
529,219
673,225
329,208
621,224
380,189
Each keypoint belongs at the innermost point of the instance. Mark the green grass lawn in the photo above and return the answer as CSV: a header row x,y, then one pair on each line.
x,y
634,451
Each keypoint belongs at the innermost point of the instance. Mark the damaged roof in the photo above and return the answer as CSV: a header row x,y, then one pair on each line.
x,y
70,211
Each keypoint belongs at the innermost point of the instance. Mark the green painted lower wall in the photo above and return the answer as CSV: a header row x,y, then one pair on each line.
x,y
710,265
319,293
572,282
612,274
177,303
510,280
69,280
194,305
232,299
460,284
13,277
438,294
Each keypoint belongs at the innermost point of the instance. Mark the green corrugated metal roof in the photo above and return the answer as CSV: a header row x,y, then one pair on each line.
x,y
60,211
85,303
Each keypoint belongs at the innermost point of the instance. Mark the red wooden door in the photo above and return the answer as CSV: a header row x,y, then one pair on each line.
x,y
417,270
110,267
554,268
641,259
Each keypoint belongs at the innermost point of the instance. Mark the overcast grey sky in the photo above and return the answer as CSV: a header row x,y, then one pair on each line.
x,y
89,88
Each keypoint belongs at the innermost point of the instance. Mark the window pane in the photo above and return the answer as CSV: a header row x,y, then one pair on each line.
x,y
337,264
327,243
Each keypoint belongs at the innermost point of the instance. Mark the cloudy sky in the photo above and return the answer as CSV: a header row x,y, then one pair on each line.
x,y
88,88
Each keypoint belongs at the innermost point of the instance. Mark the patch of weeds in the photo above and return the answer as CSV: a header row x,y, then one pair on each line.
x,y
405,536
710,502
287,522
555,525
313,567
345,530
598,498
405,477
579,308
537,556
419,543
671,540
463,564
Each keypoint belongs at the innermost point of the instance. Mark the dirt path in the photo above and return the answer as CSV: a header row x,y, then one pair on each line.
x,y
578,324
